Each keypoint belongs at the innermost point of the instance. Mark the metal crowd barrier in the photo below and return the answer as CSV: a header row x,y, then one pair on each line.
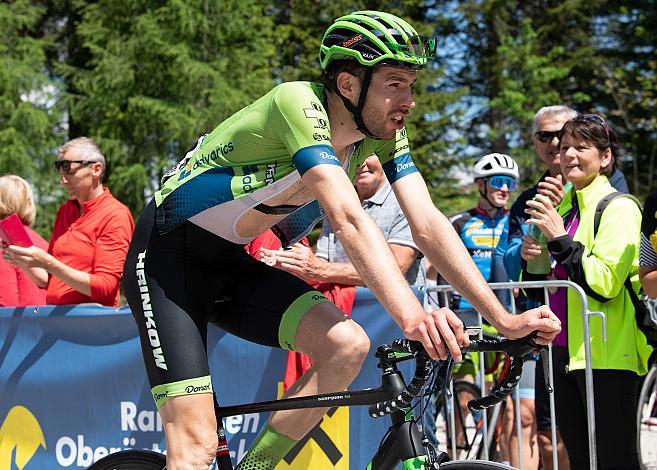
x,y
586,315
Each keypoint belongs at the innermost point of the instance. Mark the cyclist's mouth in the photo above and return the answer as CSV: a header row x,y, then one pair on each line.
x,y
399,121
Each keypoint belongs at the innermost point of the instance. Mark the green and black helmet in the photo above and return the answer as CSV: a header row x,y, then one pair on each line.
x,y
375,38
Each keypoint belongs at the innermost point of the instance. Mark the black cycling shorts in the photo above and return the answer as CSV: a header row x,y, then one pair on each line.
x,y
176,282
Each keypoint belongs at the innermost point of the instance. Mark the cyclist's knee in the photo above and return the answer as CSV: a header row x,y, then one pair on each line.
x,y
347,344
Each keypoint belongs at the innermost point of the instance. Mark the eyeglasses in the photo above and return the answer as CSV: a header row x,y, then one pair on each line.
x,y
594,118
500,181
65,165
546,136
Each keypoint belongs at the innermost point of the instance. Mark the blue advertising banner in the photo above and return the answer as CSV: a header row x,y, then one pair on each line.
x,y
73,389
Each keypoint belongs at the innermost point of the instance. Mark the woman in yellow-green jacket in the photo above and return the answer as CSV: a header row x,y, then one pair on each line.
x,y
599,264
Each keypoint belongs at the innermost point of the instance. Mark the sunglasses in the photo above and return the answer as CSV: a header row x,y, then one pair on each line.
x,y
416,46
499,182
546,136
65,165
595,118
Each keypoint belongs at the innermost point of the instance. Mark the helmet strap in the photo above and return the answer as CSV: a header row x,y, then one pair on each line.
x,y
357,111
484,193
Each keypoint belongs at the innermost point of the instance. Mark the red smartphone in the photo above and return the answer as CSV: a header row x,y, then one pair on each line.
x,y
12,232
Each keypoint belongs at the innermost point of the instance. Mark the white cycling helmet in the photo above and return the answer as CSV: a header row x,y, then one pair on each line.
x,y
496,164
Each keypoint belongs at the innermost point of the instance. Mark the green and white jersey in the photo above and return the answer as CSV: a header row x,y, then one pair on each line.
x,y
259,152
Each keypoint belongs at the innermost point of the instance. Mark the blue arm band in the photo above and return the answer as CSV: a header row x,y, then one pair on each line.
x,y
399,167
308,157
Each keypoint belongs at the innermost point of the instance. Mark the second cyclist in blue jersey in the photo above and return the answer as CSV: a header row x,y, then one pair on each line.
x,y
279,163
480,228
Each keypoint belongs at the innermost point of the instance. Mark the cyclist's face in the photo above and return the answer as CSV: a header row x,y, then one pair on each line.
x,y
581,161
548,151
389,101
499,196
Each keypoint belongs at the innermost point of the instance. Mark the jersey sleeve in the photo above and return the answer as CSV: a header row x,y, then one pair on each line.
x,y
300,120
395,157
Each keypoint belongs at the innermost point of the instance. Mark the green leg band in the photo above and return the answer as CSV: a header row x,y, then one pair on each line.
x,y
287,330
268,449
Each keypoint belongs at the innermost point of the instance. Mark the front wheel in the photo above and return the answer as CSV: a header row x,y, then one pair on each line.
x,y
131,460
474,465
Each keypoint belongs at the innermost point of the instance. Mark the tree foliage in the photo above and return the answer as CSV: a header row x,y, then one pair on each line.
x,y
145,78
29,114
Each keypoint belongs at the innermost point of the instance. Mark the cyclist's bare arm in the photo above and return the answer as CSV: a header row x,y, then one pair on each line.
x,y
371,256
440,243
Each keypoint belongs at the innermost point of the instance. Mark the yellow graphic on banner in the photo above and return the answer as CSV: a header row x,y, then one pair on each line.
x,y
20,431
326,447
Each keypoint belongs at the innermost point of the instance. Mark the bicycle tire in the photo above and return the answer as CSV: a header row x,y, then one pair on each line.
x,y
133,459
474,465
647,422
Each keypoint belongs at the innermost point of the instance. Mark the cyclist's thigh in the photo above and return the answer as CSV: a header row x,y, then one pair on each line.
x,y
265,305
159,273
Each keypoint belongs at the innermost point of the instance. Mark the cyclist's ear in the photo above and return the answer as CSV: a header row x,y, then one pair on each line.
x,y
349,85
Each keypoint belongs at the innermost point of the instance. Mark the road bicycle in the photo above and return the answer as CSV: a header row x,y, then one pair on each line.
x,y
404,444
647,421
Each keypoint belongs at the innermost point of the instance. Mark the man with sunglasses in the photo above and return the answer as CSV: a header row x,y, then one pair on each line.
x,y
480,228
90,238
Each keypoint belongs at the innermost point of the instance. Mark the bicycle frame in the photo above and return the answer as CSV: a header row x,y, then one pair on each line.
x,y
403,443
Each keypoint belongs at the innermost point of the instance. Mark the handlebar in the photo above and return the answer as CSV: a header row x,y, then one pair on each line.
x,y
515,348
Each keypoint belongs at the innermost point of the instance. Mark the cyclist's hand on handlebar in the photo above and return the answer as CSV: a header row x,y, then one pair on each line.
x,y
439,331
541,319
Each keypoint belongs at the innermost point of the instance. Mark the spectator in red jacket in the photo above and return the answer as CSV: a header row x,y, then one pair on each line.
x,y
84,262
16,288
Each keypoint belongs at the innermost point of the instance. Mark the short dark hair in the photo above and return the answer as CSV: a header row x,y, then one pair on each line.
x,y
597,133
336,67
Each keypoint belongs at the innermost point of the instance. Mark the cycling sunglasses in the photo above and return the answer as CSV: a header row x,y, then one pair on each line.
x,y
416,46
65,165
595,118
546,136
498,182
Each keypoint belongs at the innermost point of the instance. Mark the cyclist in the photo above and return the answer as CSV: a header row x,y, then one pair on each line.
x,y
481,229
299,143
